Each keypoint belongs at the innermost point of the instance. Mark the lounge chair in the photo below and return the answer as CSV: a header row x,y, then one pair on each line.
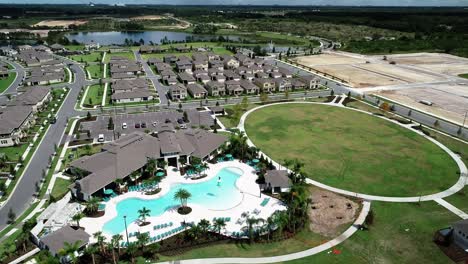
x,y
256,211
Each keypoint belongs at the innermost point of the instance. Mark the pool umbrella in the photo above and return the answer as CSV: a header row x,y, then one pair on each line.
x,y
255,161
160,174
228,155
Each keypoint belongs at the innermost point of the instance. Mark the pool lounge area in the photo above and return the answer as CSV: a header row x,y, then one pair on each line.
x,y
228,192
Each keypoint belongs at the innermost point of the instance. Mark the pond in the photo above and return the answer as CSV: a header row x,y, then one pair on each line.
x,y
118,37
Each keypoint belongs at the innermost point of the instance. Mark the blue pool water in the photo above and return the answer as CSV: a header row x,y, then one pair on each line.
x,y
208,194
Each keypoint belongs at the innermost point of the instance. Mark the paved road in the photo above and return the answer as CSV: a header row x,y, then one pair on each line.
x,y
162,90
22,196
20,74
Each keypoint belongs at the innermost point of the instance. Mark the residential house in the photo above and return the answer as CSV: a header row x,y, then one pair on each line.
x,y
196,91
15,121
133,90
249,87
170,59
184,66
218,65
283,84
200,65
215,88
230,62
177,92
266,85
285,72
186,78
310,81
35,97
297,84
154,61
231,75
233,88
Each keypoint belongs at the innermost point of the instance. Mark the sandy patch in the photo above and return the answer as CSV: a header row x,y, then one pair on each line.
x,y
148,17
60,23
329,212
399,73
327,59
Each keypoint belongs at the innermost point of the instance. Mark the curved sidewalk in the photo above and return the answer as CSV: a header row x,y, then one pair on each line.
x,y
462,180
301,254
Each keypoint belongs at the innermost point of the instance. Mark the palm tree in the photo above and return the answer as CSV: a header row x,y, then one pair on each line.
x,y
219,224
100,240
143,213
281,220
142,239
92,205
270,225
118,238
204,225
131,250
68,251
151,166
23,240
91,250
114,243
194,232
251,221
77,217
183,196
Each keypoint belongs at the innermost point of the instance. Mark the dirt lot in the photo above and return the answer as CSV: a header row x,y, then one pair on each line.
x,y
149,17
357,77
60,23
449,100
328,59
399,73
436,62
330,212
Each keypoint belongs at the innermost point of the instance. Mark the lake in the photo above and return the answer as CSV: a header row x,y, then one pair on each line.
x,y
118,37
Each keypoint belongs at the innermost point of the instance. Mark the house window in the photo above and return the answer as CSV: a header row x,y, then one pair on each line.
x,y
4,141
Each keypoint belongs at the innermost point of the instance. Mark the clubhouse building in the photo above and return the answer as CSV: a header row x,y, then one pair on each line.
x,y
129,154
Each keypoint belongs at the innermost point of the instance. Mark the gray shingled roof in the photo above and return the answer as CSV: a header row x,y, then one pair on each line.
x,y
277,178
55,241
12,117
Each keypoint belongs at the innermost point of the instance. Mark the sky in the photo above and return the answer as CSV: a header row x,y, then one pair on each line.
x,y
258,2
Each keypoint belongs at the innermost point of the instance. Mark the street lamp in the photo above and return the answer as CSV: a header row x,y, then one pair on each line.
x,y
126,231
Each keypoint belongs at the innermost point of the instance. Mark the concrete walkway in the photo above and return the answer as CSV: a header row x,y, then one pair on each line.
x,y
452,208
302,254
462,180
26,256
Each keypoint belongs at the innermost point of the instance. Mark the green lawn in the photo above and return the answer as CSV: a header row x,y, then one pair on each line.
x,y
75,47
91,57
465,75
5,82
352,150
94,95
459,200
126,54
401,233
95,70
60,187
14,152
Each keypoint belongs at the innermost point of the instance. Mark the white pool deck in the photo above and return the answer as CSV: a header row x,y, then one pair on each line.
x,y
251,200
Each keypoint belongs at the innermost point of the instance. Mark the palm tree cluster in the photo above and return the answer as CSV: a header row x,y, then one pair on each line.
x,y
239,148
297,174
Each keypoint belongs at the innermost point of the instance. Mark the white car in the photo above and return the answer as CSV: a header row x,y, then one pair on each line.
x,y
101,138
124,125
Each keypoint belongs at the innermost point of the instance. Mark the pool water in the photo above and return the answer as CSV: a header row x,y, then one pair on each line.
x,y
209,194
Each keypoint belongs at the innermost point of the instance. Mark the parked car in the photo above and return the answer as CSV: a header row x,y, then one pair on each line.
x,y
143,125
124,125
101,138
137,125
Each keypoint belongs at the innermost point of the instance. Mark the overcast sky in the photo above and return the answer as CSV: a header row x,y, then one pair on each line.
x,y
260,2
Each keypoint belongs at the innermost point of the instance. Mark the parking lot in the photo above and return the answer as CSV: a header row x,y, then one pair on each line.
x,y
145,122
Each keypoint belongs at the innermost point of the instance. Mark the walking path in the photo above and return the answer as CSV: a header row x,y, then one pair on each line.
x,y
26,256
301,254
452,208
462,180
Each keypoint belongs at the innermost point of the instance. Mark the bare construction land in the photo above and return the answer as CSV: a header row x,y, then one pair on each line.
x,y
328,59
410,79
449,100
60,23
436,62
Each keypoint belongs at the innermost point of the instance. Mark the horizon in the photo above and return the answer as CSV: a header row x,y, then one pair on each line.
x,y
318,3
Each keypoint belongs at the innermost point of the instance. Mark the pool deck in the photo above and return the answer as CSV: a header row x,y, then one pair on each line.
x,y
251,200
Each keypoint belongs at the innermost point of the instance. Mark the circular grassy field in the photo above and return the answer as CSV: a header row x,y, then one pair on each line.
x,y
352,150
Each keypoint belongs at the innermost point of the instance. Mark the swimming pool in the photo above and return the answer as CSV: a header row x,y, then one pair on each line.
x,y
208,194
